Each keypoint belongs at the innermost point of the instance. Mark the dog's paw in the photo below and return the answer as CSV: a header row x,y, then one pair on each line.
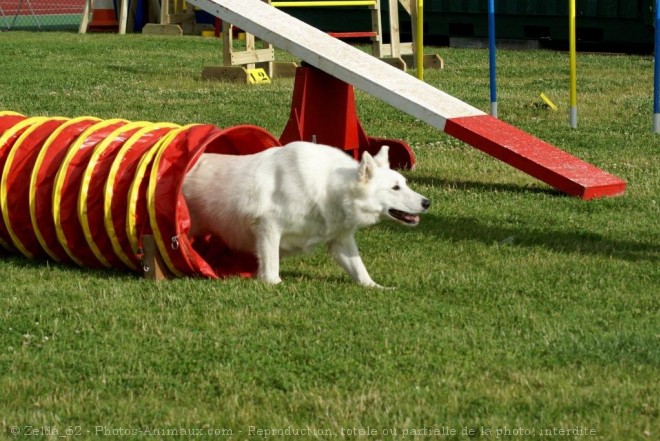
x,y
271,280
374,285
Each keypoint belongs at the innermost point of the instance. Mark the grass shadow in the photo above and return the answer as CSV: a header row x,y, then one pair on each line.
x,y
484,186
457,229
46,265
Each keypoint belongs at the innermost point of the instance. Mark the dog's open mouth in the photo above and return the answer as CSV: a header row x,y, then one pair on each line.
x,y
403,217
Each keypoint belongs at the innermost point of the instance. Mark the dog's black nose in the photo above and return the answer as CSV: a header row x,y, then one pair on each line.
x,y
426,204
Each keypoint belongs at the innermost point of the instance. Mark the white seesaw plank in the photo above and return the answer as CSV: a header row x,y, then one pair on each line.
x,y
341,60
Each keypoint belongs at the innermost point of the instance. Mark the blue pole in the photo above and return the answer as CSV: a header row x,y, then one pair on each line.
x,y
656,79
491,53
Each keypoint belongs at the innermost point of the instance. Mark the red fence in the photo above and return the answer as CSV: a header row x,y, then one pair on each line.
x,y
40,14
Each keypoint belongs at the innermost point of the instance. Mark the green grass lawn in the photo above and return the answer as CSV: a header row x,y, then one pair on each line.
x,y
518,313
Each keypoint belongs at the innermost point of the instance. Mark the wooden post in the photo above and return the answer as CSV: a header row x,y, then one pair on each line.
x,y
227,43
153,266
377,27
123,16
84,21
395,37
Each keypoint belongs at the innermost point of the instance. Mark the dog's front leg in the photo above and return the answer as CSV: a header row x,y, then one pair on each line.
x,y
346,254
267,238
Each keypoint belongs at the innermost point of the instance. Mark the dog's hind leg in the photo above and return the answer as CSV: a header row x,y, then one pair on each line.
x,y
267,238
346,254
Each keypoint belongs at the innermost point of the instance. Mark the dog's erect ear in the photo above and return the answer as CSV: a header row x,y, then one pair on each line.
x,y
383,158
366,168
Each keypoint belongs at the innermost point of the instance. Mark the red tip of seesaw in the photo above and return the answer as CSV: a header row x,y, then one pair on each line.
x,y
535,157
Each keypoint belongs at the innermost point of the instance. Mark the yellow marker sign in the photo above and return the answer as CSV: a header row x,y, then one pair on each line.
x,y
258,76
548,102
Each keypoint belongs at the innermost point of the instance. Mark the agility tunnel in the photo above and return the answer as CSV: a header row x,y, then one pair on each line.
x,y
85,191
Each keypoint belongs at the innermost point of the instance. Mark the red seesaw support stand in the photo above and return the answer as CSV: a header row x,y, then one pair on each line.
x,y
323,111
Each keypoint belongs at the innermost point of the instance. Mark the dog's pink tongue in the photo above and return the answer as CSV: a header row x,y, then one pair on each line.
x,y
413,219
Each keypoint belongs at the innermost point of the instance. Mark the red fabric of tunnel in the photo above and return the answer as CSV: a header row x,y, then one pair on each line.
x,y
85,190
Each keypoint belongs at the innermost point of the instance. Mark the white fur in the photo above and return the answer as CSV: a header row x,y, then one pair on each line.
x,y
288,199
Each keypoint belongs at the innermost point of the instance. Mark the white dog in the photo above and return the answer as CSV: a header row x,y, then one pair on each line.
x,y
288,199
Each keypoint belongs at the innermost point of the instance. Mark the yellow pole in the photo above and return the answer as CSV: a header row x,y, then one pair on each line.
x,y
573,66
419,43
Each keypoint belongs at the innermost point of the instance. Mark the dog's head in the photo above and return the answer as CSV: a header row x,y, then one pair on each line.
x,y
387,192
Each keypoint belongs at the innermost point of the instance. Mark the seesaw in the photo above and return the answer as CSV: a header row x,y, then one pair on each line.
x,y
517,148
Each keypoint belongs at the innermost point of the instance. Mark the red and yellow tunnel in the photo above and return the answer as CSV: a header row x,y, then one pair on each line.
x,y
84,191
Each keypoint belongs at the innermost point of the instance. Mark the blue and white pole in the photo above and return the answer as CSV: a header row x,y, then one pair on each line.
x,y
491,52
656,79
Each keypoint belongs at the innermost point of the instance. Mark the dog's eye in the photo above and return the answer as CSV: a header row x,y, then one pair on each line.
x,y
396,187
